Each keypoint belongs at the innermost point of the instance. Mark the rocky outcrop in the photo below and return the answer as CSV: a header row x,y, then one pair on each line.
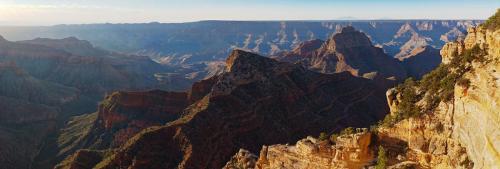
x,y
252,92
463,133
349,151
351,51
483,38
451,50
476,115
244,159
393,99
428,139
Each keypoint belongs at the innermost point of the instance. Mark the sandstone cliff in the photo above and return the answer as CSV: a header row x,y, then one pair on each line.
x,y
470,120
428,139
476,107
349,151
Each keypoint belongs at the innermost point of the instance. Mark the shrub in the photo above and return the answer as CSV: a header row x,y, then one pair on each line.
x,y
323,136
347,131
407,107
333,138
388,121
435,87
493,22
381,159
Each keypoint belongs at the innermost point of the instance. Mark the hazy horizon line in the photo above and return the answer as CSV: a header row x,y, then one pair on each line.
x,y
231,20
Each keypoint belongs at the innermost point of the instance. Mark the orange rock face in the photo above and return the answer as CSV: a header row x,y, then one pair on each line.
x,y
350,151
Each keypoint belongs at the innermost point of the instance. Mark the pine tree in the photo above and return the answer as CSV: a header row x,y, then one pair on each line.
x,y
381,159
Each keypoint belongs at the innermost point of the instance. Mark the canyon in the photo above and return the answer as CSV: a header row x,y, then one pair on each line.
x,y
233,94
460,133
254,90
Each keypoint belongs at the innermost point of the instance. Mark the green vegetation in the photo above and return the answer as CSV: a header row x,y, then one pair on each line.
x,y
348,131
333,137
493,22
323,136
435,87
381,159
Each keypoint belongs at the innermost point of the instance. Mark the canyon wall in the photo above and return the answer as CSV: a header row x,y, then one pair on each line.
x,y
477,107
461,133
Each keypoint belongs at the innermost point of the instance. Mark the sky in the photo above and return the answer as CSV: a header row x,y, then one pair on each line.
x,y
52,12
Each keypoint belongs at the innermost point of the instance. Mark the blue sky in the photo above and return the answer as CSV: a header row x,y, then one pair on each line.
x,y
50,12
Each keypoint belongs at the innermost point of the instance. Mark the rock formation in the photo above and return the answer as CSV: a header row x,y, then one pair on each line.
x,y
451,50
351,51
244,159
349,151
254,91
466,125
476,108
428,140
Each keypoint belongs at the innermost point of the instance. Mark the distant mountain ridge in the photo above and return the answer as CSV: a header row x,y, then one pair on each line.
x,y
349,50
195,42
352,51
